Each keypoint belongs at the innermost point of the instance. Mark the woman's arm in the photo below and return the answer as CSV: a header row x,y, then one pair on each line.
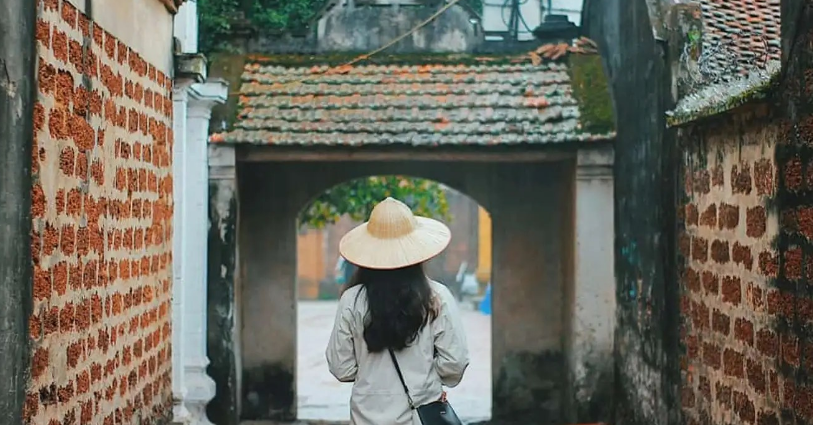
x,y
341,353
451,348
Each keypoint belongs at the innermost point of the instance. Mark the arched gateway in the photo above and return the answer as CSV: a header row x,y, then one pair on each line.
x,y
527,137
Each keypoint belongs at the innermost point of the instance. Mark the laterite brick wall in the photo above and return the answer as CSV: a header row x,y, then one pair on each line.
x,y
102,207
747,254
729,302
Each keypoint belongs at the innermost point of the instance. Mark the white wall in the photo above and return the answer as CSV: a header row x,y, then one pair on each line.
x,y
571,8
129,20
495,16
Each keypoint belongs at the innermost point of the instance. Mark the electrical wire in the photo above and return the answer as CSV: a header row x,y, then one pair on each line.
x,y
515,6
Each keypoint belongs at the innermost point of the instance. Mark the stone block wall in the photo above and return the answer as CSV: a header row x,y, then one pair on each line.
x,y
101,240
747,250
728,302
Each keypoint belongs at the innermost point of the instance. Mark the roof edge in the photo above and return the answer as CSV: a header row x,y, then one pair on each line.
x,y
723,97
338,59
550,53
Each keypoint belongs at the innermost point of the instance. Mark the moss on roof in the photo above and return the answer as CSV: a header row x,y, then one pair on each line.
x,y
337,59
592,92
453,99
723,97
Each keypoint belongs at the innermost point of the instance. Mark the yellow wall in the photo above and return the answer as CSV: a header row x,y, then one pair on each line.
x,y
484,249
310,263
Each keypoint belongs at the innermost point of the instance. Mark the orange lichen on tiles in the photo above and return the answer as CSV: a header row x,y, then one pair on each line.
x,y
536,102
403,102
442,123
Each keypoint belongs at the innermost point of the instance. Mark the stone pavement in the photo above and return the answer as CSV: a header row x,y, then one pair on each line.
x,y
321,397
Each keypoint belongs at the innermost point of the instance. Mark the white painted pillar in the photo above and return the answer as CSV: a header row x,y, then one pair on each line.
x,y
186,26
200,388
186,32
179,106
592,322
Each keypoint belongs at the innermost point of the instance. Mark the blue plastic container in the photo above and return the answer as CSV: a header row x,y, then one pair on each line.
x,y
485,304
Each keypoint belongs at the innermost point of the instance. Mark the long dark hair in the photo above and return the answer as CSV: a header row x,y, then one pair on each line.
x,y
400,303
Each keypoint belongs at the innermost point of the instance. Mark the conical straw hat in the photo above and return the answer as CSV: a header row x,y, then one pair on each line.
x,y
394,238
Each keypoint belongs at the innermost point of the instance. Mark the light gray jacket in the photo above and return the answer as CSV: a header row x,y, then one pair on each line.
x,y
438,356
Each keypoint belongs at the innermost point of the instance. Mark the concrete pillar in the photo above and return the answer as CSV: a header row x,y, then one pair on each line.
x,y
528,283
200,388
186,32
592,297
222,310
179,105
267,267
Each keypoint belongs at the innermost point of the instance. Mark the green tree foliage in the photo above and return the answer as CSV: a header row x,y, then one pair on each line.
x,y
285,15
215,19
356,198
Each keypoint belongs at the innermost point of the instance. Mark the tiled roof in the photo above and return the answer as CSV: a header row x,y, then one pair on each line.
x,y
742,34
719,98
740,60
428,102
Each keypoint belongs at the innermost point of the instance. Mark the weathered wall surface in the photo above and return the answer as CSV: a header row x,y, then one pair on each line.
x,y
365,28
590,301
646,340
794,203
221,314
529,276
746,301
102,207
729,303
748,252
758,374
532,250
17,97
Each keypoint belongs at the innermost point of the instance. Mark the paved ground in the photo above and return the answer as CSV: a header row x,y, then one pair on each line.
x,y
321,397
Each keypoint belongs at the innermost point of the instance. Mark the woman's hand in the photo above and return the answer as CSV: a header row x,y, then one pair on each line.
x,y
443,397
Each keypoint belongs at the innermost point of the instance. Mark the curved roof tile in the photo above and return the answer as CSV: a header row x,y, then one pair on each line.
x,y
488,102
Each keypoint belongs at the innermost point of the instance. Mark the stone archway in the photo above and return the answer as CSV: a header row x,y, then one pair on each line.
x,y
512,129
533,204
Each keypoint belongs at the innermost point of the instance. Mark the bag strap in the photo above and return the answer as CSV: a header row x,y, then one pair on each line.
x,y
401,377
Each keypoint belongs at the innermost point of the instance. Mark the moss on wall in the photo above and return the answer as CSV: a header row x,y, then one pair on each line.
x,y
592,92
230,68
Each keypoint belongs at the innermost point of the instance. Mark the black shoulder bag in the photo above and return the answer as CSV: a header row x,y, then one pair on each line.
x,y
435,413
